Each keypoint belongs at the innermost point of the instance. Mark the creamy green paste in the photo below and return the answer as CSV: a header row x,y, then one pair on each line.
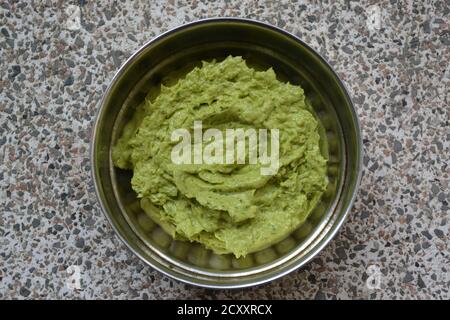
x,y
229,208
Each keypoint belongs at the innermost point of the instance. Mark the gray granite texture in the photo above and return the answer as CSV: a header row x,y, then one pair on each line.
x,y
56,59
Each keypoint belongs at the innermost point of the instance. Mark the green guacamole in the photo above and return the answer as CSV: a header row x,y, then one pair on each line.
x,y
229,208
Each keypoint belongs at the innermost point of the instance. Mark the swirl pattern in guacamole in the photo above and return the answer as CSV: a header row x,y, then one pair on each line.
x,y
229,208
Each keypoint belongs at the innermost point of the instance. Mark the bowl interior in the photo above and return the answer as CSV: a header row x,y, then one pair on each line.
x,y
168,58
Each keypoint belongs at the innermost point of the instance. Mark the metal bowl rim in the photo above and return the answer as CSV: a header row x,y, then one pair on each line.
x,y
324,240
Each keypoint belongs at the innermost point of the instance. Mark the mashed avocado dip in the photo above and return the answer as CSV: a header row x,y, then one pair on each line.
x,y
229,208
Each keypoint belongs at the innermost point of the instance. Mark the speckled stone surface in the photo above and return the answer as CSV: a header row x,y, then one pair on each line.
x,y
56,59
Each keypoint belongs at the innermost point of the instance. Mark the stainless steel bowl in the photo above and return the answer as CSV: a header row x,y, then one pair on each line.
x,y
261,45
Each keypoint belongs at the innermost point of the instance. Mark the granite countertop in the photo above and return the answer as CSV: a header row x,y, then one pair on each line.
x,y
57,57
